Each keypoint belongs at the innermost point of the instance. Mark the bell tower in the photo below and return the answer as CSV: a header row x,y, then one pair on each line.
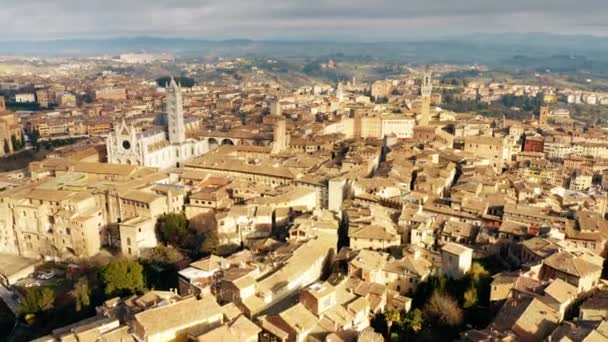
x,y
175,113
425,91
340,92
543,119
279,143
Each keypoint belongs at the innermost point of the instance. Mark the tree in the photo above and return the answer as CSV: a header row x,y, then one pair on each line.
x,y
470,298
379,324
82,293
477,272
15,143
413,321
424,291
227,249
391,317
7,148
37,300
162,255
210,243
478,291
35,137
173,228
443,309
122,277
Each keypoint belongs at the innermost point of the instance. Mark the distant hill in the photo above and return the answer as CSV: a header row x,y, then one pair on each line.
x,y
531,51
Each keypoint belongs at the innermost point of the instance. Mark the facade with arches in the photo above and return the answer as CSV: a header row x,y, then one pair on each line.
x,y
162,147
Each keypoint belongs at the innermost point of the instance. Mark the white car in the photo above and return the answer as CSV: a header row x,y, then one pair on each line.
x,y
46,275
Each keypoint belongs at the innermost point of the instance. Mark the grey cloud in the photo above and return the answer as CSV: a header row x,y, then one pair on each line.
x,y
262,19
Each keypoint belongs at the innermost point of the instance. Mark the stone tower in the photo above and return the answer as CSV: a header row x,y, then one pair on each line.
x,y
2,104
425,91
280,137
175,113
543,118
340,92
275,107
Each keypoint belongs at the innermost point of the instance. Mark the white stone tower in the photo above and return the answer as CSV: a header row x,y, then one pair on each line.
x,y
275,107
280,137
340,92
175,113
425,91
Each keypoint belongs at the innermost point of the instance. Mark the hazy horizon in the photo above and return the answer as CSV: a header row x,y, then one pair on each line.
x,y
345,39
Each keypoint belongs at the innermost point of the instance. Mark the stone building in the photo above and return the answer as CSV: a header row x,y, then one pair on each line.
x,y
163,147
495,149
456,260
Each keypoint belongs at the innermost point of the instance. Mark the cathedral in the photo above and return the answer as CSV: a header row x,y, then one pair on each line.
x,y
161,148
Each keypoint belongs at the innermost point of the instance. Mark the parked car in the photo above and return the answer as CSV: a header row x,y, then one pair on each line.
x,y
46,275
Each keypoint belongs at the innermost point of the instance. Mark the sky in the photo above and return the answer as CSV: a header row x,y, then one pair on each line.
x,y
364,20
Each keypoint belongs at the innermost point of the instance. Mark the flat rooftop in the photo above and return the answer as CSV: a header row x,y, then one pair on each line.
x,y
11,264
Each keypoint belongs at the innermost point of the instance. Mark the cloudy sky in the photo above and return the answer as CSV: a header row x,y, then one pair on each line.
x,y
296,19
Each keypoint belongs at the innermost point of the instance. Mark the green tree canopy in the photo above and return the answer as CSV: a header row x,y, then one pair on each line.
x,y
210,243
392,316
470,298
477,272
163,255
413,321
122,277
478,291
434,283
82,293
173,228
37,300
35,137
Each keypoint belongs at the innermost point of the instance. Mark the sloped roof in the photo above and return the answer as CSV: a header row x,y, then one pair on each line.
x,y
568,263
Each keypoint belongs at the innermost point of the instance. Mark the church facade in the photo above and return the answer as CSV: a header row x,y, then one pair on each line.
x,y
161,148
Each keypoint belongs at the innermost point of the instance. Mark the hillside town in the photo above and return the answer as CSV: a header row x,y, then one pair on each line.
x,y
252,211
